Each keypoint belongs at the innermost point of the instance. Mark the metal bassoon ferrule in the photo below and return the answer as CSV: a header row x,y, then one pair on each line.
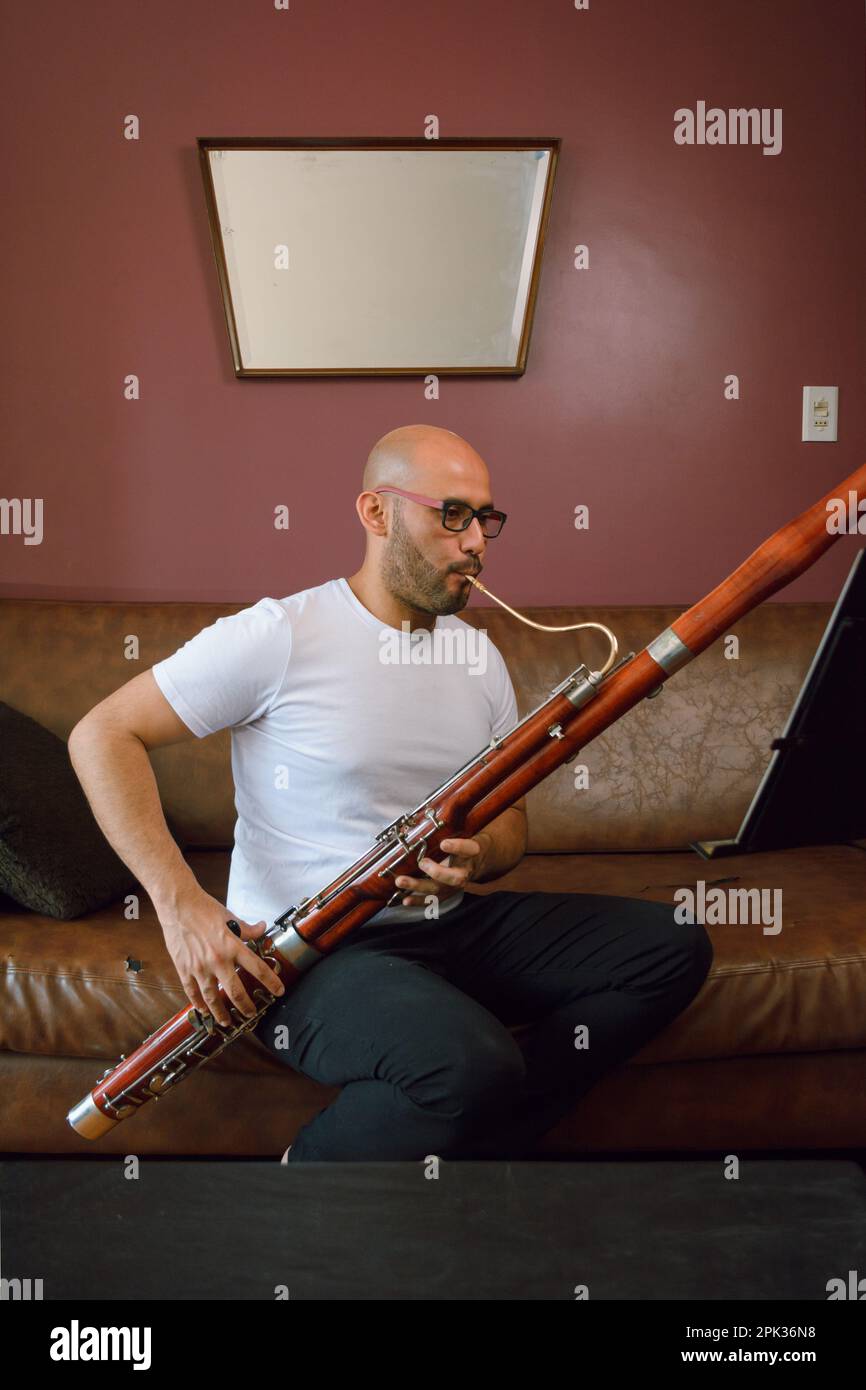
x,y
579,687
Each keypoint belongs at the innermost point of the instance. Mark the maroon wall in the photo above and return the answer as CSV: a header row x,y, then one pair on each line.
x,y
704,261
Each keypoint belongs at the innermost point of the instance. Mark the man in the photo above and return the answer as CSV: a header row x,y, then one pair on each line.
x,y
331,741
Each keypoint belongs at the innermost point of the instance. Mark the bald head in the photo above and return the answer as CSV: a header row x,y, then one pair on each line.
x,y
427,459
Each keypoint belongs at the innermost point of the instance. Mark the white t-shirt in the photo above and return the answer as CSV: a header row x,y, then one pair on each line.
x,y
339,724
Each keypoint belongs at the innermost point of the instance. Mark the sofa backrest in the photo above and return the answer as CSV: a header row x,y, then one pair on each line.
x,y
679,767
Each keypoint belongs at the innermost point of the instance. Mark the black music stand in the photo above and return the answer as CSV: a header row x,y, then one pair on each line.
x,y
813,791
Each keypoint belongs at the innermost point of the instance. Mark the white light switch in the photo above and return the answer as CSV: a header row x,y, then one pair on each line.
x,y
820,412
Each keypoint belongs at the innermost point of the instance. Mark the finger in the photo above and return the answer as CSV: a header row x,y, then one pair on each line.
x,y
233,988
419,886
443,873
215,1004
266,974
194,995
415,888
468,849
422,899
245,931
252,962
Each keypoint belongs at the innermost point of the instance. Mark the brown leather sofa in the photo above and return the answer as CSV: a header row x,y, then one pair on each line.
x,y
771,1053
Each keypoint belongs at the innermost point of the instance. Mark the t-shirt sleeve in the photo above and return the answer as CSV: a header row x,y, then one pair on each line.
x,y
230,672
505,700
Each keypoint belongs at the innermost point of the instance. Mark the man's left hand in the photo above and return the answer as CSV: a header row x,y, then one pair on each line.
x,y
464,860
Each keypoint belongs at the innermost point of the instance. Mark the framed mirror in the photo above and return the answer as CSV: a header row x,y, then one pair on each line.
x,y
368,257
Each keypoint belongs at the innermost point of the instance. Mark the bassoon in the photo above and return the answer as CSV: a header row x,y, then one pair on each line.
x,y
580,708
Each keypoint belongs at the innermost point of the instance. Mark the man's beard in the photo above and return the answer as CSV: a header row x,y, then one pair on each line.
x,y
410,577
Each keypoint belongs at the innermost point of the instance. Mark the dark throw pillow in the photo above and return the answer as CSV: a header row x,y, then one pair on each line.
x,y
54,858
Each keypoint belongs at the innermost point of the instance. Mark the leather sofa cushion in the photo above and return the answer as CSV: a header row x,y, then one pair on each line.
x,y
74,993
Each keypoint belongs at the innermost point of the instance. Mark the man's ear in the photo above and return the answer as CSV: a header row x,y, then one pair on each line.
x,y
372,512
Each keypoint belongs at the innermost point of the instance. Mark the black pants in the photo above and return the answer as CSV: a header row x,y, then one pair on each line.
x,y
412,1021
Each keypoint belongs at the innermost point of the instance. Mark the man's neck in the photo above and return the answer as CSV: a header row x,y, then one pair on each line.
x,y
369,590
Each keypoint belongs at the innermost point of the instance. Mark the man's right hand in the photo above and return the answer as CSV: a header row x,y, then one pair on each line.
x,y
205,953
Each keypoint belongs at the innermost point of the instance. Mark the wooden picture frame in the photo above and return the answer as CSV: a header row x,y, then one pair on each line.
x,y
378,257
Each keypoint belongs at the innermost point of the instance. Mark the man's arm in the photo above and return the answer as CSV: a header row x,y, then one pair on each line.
x,y
109,749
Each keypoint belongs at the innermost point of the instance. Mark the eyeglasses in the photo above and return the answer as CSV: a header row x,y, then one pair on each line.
x,y
457,515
